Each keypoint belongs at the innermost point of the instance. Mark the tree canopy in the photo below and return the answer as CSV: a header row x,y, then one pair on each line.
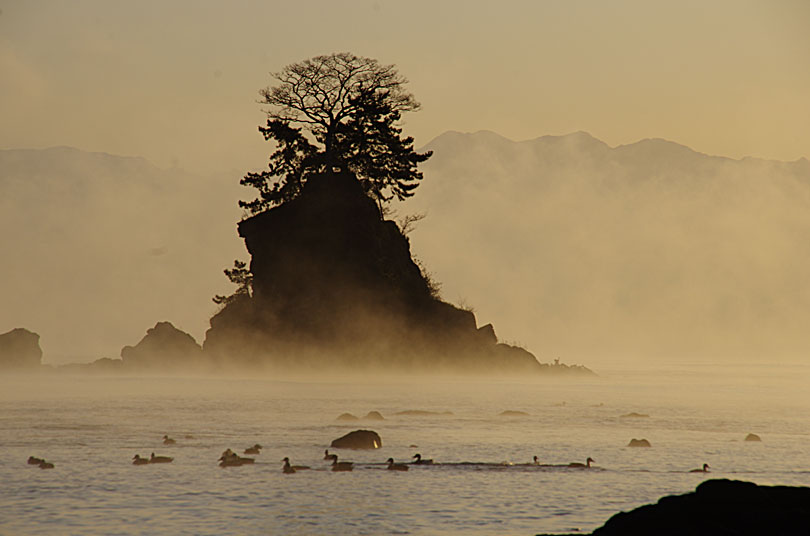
x,y
337,111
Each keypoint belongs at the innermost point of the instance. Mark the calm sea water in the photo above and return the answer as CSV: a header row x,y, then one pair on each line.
x,y
90,427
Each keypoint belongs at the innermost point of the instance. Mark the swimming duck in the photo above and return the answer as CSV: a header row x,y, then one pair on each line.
x,y
705,469
396,466
160,459
45,465
535,460
254,449
327,456
419,461
586,465
137,460
232,459
168,440
341,466
32,460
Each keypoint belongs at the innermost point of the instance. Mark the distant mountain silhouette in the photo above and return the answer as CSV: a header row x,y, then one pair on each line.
x,y
649,248
97,247
569,246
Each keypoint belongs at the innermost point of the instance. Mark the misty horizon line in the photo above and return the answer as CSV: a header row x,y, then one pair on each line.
x,y
451,132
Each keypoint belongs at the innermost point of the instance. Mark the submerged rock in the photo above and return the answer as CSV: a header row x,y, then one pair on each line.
x,y
753,437
639,443
513,413
359,439
347,417
19,349
634,415
374,416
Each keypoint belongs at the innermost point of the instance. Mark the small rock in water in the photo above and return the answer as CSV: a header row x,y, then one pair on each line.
x,y
347,417
359,439
374,416
752,437
639,443
513,413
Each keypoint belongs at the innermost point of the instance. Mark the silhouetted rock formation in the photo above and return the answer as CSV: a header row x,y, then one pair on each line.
x,y
639,443
347,417
753,437
718,507
19,349
164,347
374,416
359,439
334,285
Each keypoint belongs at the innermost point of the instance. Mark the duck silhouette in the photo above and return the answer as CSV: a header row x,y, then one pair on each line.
x,y
160,459
327,456
33,460
396,466
137,460
254,449
168,440
341,466
231,459
45,465
286,461
586,465
419,461
704,469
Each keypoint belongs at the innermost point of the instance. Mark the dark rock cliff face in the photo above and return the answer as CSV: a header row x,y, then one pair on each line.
x,y
334,284
19,349
718,508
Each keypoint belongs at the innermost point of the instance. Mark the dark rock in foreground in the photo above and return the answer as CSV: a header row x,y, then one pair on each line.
x,y
164,347
359,439
719,507
19,349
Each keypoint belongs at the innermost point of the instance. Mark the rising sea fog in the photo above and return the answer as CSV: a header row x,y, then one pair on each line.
x,y
90,427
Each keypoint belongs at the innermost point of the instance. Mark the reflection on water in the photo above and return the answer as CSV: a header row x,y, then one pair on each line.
x,y
484,480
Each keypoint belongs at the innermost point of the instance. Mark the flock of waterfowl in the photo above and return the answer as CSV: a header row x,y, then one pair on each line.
x,y
229,458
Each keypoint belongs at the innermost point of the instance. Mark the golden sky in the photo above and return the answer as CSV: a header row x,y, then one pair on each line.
x,y
177,82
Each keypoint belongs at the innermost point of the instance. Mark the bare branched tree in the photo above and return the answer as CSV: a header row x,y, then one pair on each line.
x,y
337,111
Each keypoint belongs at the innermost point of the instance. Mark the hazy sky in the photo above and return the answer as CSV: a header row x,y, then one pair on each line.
x,y
177,82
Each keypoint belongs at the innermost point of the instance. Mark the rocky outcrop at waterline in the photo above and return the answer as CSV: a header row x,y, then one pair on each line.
x,y
358,439
718,507
20,350
335,287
